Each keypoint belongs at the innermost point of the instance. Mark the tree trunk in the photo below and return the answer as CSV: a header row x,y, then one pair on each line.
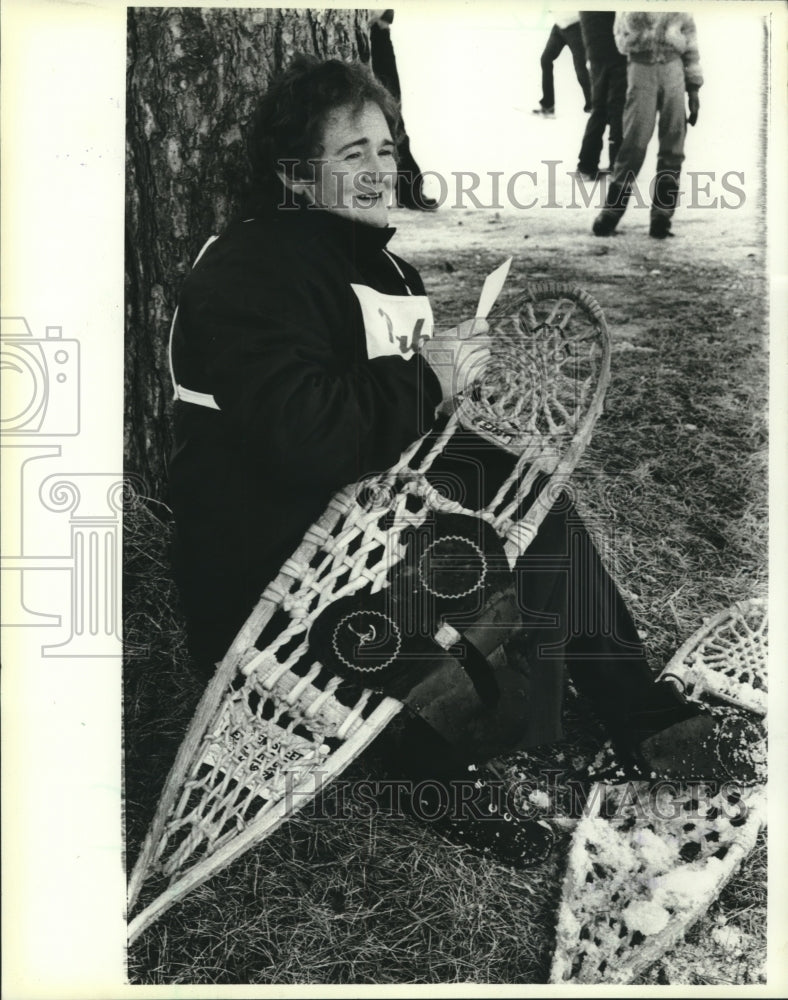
x,y
193,78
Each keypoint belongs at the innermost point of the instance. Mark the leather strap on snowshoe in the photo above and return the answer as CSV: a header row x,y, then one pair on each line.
x,y
478,694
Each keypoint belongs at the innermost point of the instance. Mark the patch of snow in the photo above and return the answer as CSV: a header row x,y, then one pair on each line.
x,y
656,852
730,939
648,917
539,798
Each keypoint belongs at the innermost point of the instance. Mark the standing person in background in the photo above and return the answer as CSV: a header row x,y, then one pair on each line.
x,y
565,31
410,181
608,91
663,64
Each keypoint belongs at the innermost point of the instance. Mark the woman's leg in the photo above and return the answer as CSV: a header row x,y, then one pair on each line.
x,y
599,640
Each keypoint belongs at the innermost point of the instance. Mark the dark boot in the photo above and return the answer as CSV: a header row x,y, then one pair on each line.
x,y
672,737
616,202
605,223
459,801
482,824
725,747
663,204
660,227
410,181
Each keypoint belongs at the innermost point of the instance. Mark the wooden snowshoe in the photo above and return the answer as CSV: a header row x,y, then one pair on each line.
x,y
647,859
726,659
304,688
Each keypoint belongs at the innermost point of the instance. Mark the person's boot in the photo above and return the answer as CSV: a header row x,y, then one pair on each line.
x,y
660,227
410,194
664,201
477,819
591,173
410,181
675,738
615,205
724,747
605,223
459,801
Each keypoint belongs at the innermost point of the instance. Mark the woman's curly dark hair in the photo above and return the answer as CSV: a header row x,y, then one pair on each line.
x,y
287,126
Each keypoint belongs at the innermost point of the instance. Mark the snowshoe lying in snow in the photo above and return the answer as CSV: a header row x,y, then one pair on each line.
x,y
648,858
305,688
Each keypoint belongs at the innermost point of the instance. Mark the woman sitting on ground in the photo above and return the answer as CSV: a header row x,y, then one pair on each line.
x,y
304,358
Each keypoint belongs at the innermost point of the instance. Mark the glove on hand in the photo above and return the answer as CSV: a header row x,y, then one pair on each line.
x,y
694,106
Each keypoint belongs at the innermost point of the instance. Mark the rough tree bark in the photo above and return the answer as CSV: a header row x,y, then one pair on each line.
x,y
193,77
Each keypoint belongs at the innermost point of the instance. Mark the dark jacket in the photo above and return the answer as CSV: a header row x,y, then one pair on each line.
x,y
598,39
271,328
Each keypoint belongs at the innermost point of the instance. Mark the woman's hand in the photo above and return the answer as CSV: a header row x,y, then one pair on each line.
x,y
458,356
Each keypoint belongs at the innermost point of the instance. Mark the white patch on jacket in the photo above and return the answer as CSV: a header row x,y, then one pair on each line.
x,y
393,324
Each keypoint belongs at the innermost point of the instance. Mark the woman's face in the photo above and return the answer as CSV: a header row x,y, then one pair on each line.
x,y
354,174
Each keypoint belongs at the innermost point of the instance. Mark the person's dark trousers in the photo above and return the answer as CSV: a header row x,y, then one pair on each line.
x,y
608,94
557,40
665,191
384,63
616,99
384,67
410,193
568,598
600,643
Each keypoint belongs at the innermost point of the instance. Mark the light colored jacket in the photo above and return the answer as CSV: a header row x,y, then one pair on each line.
x,y
654,38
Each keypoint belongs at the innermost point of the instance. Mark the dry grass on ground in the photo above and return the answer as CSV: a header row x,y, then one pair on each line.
x,y
673,488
